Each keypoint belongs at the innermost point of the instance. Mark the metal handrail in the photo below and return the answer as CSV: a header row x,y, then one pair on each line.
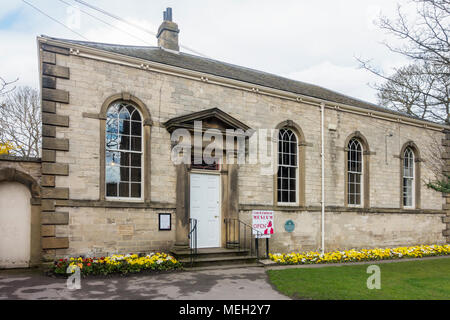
x,y
236,240
192,236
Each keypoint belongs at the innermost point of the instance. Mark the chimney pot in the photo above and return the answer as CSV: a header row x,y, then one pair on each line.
x,y
167,15
168,32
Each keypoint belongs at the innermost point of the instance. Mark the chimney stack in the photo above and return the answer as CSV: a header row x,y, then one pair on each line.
x,y
168,32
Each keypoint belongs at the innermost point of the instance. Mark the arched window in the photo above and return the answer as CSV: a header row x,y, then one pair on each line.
x,y
123,151
408,177
355,167
287,167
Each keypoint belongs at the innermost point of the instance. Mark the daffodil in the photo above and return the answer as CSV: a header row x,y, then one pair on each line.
x,y
361,255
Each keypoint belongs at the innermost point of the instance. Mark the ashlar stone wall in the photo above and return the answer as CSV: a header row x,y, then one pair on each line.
x,y
93,227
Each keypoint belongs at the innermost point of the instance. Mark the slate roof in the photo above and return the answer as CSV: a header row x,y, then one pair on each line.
x,y
227,70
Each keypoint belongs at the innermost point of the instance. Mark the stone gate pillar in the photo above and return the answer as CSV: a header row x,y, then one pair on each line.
x,y
231,230
182,211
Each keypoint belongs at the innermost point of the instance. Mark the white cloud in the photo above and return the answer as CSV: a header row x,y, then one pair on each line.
x,y
347,80
123,33
20,60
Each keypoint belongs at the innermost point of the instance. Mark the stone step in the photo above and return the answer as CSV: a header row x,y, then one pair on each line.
x,y
210,252
206,261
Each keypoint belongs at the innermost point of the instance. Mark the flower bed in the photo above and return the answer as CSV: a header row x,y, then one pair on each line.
x,y
122,264
360,255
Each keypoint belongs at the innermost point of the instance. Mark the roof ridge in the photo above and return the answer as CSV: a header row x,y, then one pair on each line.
x,y
100,43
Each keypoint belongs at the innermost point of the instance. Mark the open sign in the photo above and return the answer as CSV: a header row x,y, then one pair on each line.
x,y
262,223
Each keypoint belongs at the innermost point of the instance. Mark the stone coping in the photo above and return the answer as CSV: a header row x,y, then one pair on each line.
x,y
19,159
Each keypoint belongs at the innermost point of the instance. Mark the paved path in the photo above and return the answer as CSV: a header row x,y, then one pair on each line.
x,y
236,284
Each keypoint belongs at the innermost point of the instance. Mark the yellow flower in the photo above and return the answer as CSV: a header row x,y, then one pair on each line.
x,y
360,255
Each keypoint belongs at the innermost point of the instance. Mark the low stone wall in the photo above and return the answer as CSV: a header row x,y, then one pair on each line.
x,y
30,166
347,229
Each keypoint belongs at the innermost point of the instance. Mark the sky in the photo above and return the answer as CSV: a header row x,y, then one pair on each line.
x,y
310,41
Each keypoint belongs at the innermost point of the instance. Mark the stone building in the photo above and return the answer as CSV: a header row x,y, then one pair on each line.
x,y
107,173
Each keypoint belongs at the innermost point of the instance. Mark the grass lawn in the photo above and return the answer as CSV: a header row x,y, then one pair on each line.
x,y
421,279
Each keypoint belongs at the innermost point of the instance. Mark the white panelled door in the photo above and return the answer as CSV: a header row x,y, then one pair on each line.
x,y
205,207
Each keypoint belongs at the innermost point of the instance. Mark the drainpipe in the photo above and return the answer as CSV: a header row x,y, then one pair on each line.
x,y
322,112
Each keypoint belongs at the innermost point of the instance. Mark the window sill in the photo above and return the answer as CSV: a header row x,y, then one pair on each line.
x,y
356,206
287,204
126,200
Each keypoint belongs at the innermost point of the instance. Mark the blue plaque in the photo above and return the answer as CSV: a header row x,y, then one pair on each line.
x,y
289,226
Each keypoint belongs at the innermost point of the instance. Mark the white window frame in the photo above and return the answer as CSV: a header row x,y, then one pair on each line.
x,y
412,178
142,152
354,172
297,193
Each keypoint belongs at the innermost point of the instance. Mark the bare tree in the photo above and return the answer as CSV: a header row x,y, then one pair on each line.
x,y
420,89
5,86
426,37
20,122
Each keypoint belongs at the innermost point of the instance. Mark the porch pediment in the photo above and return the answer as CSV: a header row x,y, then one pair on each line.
x,y
211,119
